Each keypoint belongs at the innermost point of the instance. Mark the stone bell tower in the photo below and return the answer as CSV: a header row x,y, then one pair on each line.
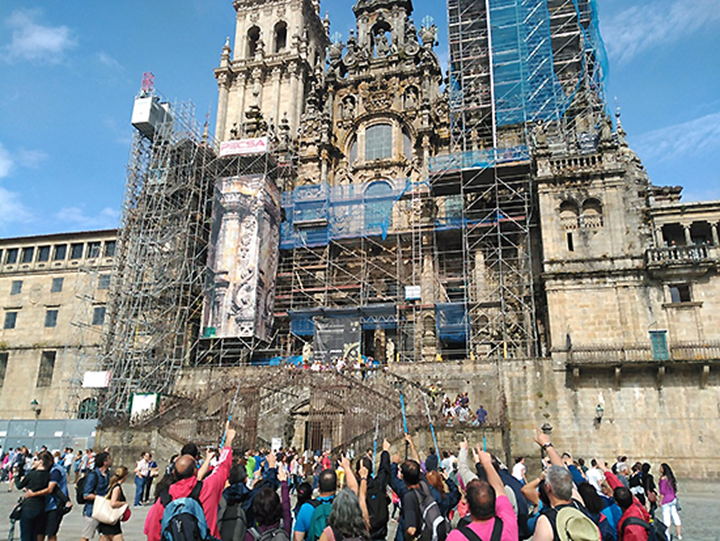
x,y
279,46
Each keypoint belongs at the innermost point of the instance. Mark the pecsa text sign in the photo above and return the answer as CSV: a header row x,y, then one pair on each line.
x,y
239,147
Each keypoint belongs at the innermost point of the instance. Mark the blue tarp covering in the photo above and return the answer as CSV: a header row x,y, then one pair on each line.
x,y
451,322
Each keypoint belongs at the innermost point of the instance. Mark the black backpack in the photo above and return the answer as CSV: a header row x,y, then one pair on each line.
x,y
656,530
435,527
472,536
275,534
232,523
80,488
377,505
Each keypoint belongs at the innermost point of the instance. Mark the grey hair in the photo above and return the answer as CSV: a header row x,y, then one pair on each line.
x,y
560,481
346,516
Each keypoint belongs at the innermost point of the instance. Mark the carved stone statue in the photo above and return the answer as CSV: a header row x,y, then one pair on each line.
x,y
381,46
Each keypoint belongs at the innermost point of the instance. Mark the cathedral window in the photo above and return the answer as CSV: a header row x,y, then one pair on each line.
x,y
352,154
569,215
378,142
591,214
280,36
253,36
407,147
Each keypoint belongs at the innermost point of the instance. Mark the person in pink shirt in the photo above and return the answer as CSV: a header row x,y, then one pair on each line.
x,y
492,514
185,470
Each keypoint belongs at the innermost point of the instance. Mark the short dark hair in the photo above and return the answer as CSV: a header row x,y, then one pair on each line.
x,y
519,459
327,482
411,472
101,459
623,497
593,462
238,474
481,499
190,449
267,507
432,450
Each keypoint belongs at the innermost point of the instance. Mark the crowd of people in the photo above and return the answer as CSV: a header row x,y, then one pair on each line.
x,y
447,496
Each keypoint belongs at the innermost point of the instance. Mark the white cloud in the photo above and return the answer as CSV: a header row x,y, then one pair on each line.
x,y
6,162
34,41
696,137
30,159
658,22
107,60
107,218
11,208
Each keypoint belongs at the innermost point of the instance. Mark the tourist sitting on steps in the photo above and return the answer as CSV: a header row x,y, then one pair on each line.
x,y
185,474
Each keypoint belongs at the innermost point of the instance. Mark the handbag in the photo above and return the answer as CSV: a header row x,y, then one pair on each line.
x,y
126,515
17,510
105,513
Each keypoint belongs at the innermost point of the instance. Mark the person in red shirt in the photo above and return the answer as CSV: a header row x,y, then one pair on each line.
x,y
185,470
631,507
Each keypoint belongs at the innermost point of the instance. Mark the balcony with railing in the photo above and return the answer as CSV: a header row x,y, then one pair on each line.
x,y
695,259
644,354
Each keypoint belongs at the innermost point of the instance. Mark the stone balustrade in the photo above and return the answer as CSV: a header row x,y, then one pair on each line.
x,y
679,255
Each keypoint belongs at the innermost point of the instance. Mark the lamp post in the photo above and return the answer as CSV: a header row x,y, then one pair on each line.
x,y
35,406
599,412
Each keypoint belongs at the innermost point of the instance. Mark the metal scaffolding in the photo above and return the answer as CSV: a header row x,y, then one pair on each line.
x,y
159,275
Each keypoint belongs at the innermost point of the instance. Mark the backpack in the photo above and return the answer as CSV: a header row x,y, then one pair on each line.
x,y
232,523
80,488
377,505
472,536
275,534
435,526
184,519
656,530
318,521
574,522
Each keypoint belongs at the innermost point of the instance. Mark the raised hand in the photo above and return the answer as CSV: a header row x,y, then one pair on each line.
x,y
386,445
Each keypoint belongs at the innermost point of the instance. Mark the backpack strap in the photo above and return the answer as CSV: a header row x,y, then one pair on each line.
x,y
166,498
470,535
633,521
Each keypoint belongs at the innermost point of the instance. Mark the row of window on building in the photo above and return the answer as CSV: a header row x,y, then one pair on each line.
x,y
103,283
58,252
45,372
51,317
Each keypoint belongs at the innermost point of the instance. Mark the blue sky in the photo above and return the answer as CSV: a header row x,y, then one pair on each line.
x,y
69,72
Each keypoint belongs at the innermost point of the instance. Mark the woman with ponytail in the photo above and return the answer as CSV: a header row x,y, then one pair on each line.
x,y
113,532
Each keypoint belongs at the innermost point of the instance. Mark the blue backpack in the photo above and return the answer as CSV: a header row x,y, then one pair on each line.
x,y
184,518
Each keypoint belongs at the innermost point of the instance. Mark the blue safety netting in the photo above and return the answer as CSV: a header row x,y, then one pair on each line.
x,y
526,87
451,322
316,214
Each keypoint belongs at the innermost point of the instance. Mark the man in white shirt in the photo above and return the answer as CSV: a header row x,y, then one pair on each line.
x,y
595,476
519,469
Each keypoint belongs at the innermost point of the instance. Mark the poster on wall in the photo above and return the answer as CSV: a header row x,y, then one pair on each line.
x,y
142,404
335,338
243,258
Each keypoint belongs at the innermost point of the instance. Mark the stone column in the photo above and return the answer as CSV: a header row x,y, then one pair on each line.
x,y
223,90
276,76
295,96
714,231
659,241
688,236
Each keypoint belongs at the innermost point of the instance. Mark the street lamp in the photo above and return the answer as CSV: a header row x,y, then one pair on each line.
x,y
35,406
599,412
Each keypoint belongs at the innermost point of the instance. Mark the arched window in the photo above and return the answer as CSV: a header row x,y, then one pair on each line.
x,y
280,36
352,153
569,215
378,205
88,409
253,36
378,142
591,214
407,147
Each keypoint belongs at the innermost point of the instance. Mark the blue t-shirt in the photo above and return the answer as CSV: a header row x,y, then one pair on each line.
x,y
57,476
97,484
302,522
